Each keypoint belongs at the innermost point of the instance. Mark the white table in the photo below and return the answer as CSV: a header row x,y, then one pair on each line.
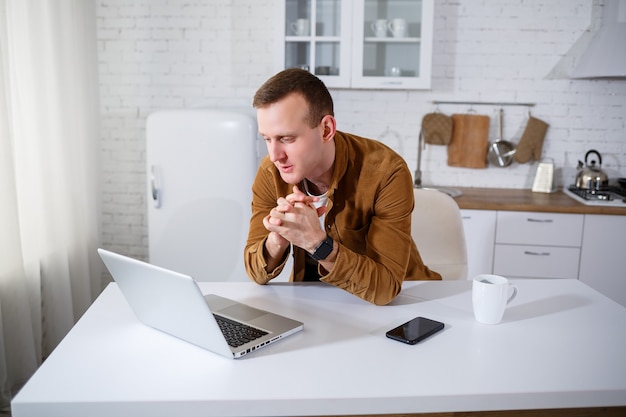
x,y
560,345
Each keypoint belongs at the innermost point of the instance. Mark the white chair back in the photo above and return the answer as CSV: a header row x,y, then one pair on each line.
x,y
437,229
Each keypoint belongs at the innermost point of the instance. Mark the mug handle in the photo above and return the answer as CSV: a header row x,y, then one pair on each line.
x,y
390,27
294,27
373,26
513,294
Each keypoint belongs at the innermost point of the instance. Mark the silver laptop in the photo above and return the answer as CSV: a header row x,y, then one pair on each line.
x,y
173,303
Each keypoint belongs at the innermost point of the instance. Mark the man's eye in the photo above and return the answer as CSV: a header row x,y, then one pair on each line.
x,y
287,140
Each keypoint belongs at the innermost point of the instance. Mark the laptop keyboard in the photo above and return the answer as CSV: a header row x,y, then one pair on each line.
x,y
237,334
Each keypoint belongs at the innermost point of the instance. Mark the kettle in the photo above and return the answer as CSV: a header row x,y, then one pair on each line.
x,y
591,177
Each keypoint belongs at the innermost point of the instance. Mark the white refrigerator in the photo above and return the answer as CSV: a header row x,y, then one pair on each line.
x,y
201,164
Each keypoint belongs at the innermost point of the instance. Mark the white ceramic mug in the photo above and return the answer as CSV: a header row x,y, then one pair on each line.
x,y
301,27
379,27
399,28
490,296
395,71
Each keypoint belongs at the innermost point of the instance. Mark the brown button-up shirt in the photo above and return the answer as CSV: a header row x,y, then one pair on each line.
x,y
370,201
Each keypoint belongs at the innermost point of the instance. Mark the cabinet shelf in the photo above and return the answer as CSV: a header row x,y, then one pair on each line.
x,y
312,38
392,40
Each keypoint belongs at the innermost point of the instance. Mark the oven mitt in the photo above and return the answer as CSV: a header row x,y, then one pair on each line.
x,y
437,129
531,142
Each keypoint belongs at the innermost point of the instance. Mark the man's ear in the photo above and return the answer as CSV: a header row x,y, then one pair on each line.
x,y
329,124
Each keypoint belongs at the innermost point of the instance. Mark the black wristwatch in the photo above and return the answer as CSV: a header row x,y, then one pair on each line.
x,y
324,249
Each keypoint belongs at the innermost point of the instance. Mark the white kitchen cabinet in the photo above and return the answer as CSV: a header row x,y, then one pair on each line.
x,y
601,259
337,40
537,245
589,247
480,230
315,35
401,59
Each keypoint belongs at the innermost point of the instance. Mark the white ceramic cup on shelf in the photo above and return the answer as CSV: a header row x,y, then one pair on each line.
x,y
490,296
301,27
395,71
399,28
379,27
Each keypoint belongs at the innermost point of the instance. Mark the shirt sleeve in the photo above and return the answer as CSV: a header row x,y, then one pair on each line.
x,y
264,196
372,262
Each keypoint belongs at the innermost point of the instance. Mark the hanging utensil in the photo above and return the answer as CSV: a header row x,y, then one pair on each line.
x,y
501,152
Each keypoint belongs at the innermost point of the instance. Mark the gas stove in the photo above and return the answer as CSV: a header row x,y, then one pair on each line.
x,y
614,196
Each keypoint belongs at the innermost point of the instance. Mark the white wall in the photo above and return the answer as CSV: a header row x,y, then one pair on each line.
x,y
157,54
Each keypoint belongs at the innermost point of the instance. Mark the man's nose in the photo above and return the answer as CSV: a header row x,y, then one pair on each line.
x,y
275,151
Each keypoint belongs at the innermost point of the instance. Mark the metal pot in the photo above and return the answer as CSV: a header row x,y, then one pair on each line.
x,y
591,177
501,152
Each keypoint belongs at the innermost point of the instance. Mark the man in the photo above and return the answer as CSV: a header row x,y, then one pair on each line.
x,y
342,202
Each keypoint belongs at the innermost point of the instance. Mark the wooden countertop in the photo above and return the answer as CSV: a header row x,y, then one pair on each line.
x,y
526,200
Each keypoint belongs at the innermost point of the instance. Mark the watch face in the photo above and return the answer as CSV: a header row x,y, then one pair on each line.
x,y
323,250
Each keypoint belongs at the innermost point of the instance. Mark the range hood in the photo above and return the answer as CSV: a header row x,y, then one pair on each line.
x,y
605,55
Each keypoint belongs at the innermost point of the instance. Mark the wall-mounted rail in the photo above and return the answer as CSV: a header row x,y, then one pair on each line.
x,y
483,103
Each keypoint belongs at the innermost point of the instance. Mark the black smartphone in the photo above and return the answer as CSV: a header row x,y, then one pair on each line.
x,y
415,330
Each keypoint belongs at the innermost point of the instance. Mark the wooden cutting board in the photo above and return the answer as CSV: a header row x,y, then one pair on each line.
x,y
470,140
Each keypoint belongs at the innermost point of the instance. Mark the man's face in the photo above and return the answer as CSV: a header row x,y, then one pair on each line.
x,y
295,148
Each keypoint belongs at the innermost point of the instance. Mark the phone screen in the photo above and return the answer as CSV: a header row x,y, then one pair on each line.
x,y
415,330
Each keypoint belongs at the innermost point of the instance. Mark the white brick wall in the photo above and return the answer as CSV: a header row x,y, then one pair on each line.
x,y
157,54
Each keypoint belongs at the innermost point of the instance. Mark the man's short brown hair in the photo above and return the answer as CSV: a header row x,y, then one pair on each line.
x,y
296,80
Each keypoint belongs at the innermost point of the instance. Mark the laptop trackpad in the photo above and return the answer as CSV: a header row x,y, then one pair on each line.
x,y
241,312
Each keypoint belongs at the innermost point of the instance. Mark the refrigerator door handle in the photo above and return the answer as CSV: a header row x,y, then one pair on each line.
x,y
154,186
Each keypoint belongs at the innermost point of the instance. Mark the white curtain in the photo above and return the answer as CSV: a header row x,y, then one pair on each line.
x,y
49,179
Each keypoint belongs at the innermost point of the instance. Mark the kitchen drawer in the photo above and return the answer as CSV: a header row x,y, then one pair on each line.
x,y
536,261
546,229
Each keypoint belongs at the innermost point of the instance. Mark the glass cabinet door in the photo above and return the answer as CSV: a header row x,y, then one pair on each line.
x,y
393,44
384,44
315,36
